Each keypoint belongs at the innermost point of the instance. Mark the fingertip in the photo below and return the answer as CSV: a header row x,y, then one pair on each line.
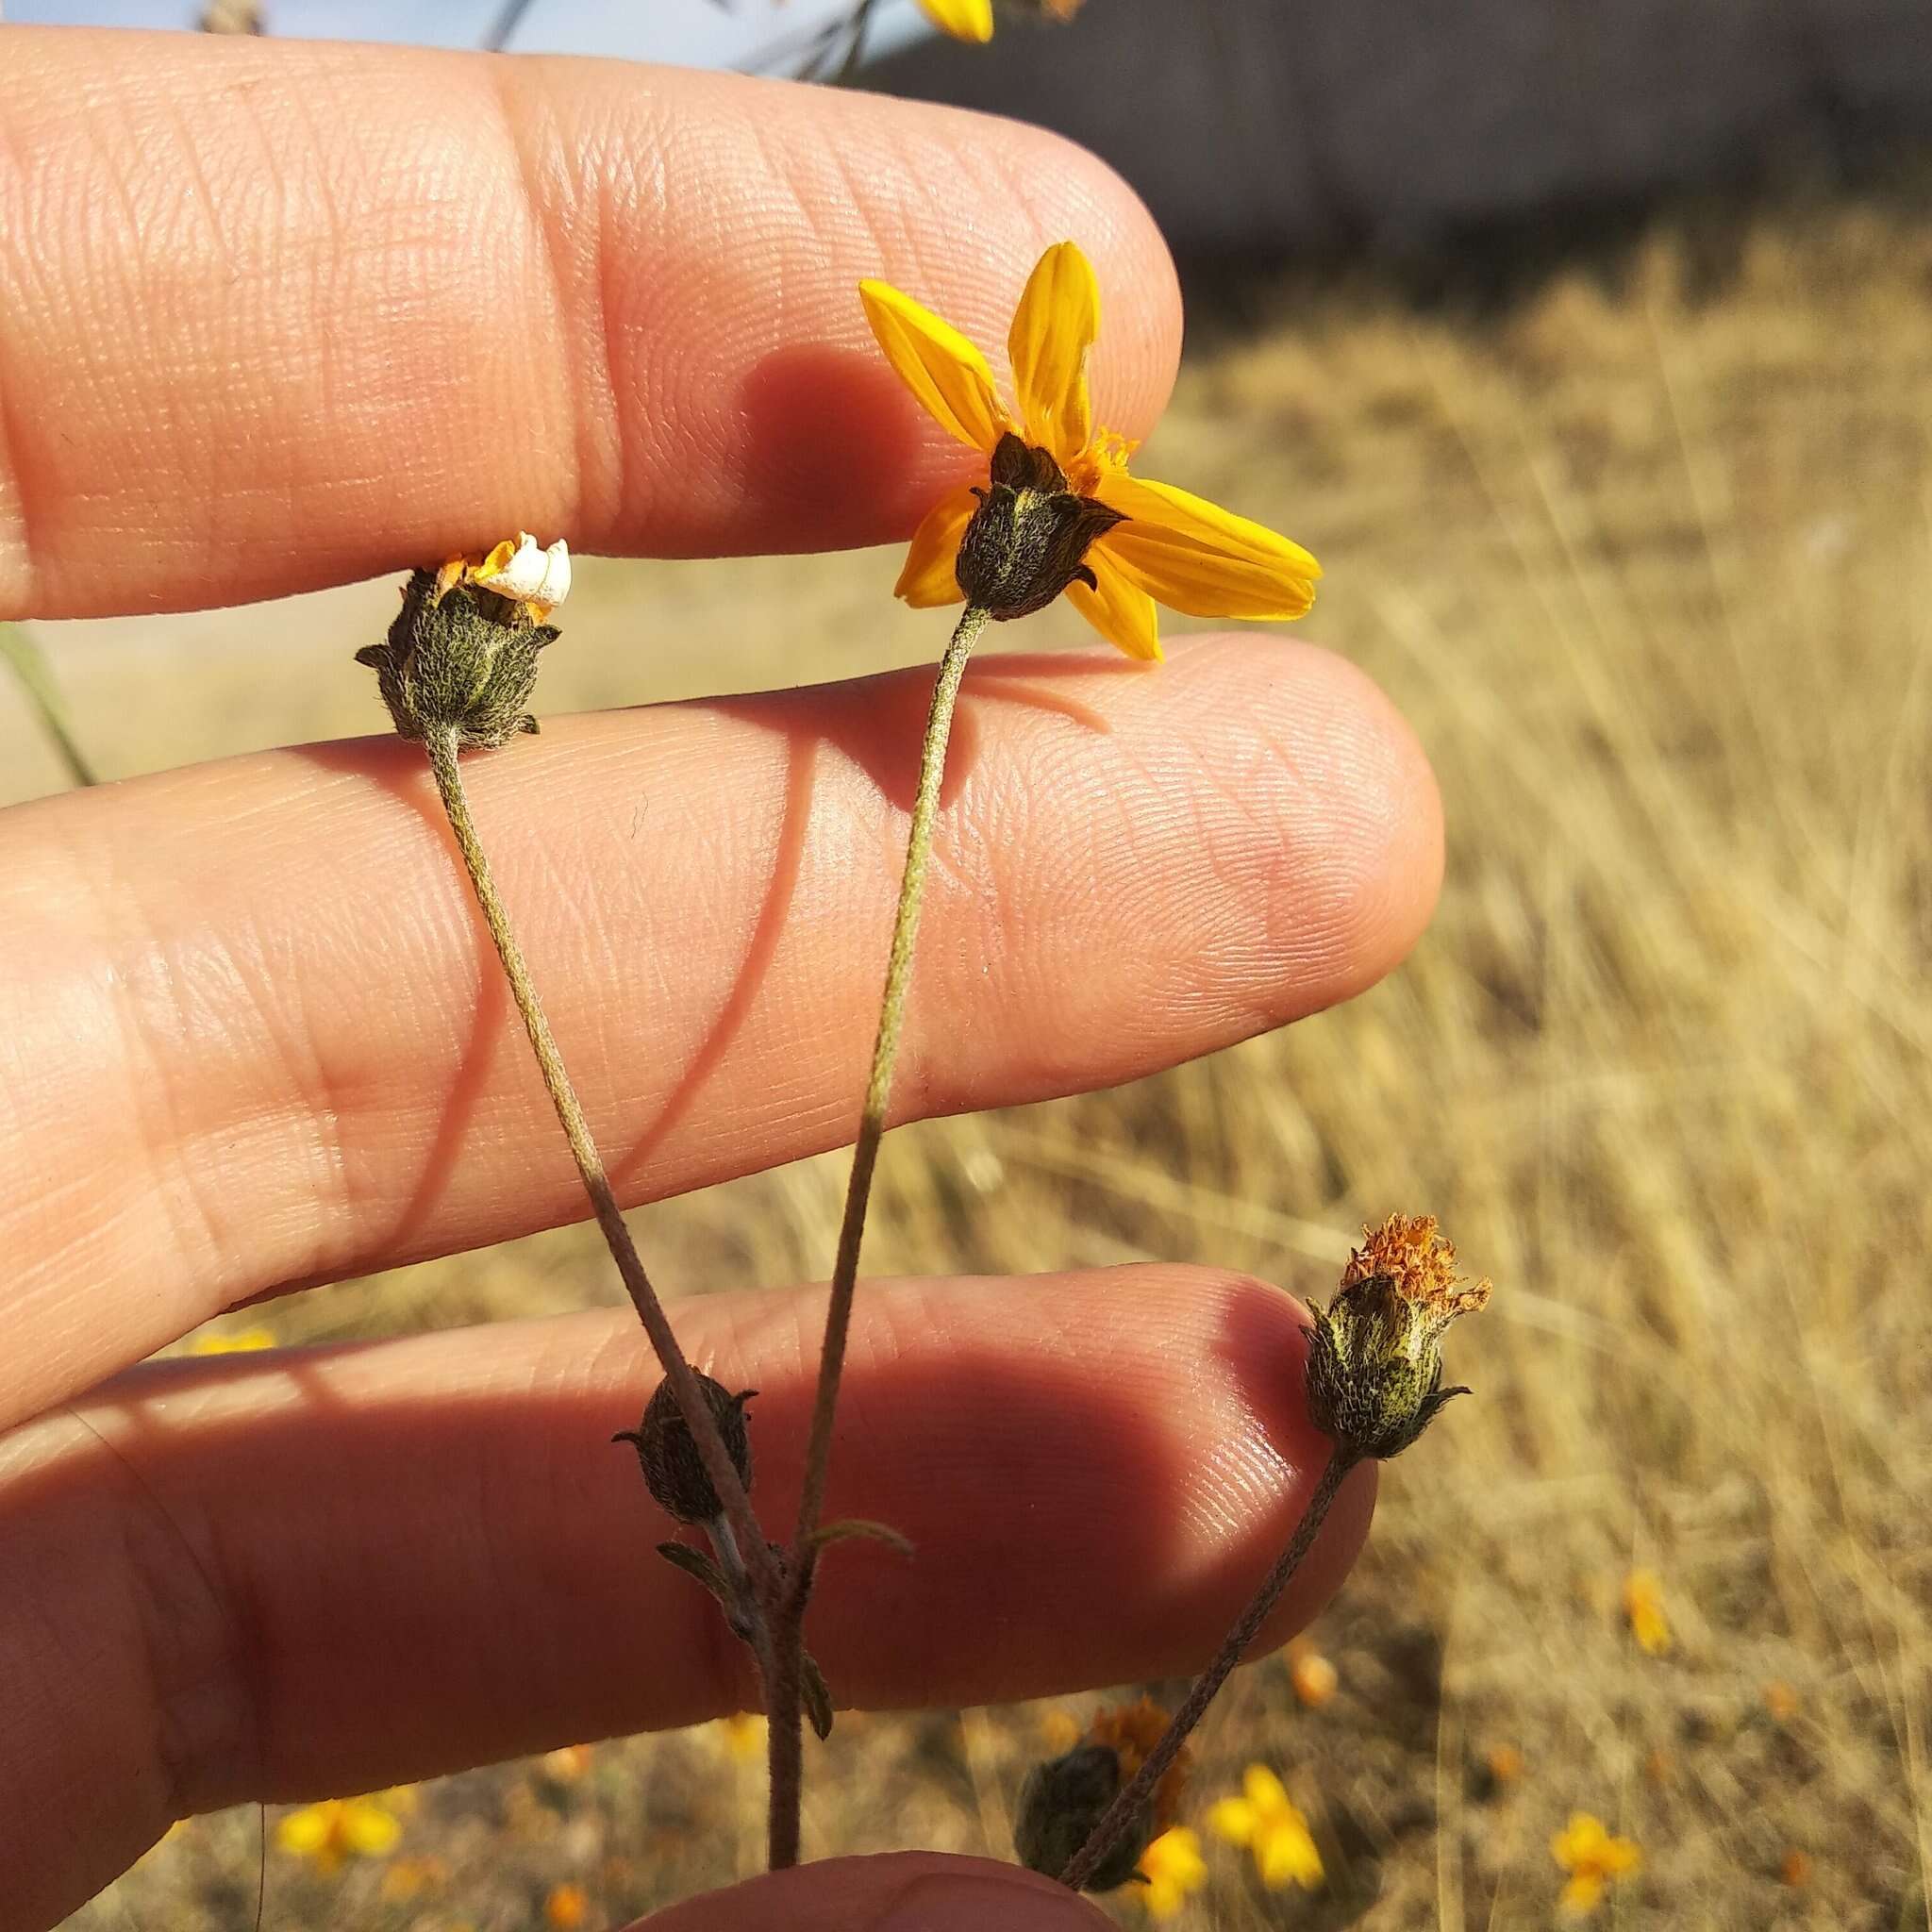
x,y
1337,812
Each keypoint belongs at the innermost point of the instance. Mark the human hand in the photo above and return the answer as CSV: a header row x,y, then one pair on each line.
x,y
273,316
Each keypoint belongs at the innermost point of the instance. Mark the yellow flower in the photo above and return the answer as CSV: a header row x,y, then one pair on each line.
x,y
1270,1824
566,1907
1593,1857
236,1342
520,571
1172,1867
1643,1605
339,1828
965,20
1163,546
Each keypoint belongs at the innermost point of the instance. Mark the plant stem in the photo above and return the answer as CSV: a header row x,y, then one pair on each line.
x,y
788,1634
1131,1800
37,680
696,1411
855,47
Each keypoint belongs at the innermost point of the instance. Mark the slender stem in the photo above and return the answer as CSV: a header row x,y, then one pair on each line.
x,y
697,1414
786,1737
20,651
1131,1801
855,47
884,1051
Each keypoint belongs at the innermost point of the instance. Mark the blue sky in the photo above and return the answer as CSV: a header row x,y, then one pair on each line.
x,y
691,33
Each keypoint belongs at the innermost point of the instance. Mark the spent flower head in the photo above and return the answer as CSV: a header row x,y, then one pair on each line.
x,y
1064,1798
1643,1609
1059,511
673,1470
461,655
1375,1371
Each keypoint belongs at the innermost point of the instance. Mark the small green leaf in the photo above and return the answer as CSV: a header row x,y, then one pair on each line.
x,y
695,1563
851,1526
816,1697
28,662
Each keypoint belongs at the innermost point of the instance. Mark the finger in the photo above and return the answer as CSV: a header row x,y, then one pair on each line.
x,y
900,1891
333,1570
275,315
259,1037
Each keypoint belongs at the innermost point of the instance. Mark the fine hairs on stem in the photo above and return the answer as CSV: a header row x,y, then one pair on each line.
x,y
443,743
787,1743
1138,1792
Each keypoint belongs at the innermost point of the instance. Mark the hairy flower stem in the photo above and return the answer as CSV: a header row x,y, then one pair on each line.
x,y
1139,1791
787,1636
442,747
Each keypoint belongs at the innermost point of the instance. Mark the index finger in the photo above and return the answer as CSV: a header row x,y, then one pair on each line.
x,y
277,315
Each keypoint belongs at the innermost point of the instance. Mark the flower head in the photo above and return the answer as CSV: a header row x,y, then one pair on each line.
x,y
339,1828
1059,511
1592,1857
1314,1678
232,1341
1170,1868
1643,1606
673,1470
461,656
1375,1372
1064,1798
1269,1822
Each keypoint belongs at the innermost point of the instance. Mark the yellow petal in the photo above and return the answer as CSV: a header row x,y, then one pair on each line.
x,y
1265,1792
1054,327
1582,1892
306,1831
965,20
1193,556
938,365
368,1829
1288,1855
1120,611
1233,1819
929,577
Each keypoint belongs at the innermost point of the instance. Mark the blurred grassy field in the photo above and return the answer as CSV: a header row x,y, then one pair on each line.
x,y
1646,554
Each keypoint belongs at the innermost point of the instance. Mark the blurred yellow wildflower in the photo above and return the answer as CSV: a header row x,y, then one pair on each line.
x,y
741,1738
1312,1675
1172,1867
1154,543
965,20
339,1828
1643,1606
235,1341
1269,1822
1592,1857
1131,1731
566,1907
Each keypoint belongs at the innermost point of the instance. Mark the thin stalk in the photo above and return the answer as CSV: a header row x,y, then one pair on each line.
x,y
1140,1789
37,680
788,1634
444,764
855,47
